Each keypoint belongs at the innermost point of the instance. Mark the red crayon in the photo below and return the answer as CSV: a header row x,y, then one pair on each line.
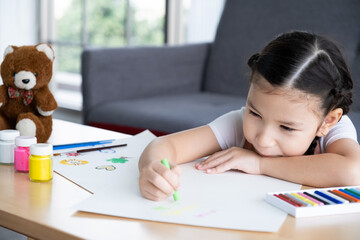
x,y
288,200
293,200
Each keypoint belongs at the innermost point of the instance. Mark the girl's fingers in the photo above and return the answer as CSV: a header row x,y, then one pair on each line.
x,y
153,193
177,170
170,176
215,156
213,161
200,165
159,182
225,166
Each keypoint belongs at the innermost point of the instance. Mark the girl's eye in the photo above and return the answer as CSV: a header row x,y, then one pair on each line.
x,y
254,113
287,128
35,74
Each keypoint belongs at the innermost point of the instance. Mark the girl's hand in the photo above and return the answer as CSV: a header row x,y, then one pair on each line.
x,y
232,158
157,182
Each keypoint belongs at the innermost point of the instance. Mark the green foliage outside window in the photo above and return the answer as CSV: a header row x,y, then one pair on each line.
x,y
105,26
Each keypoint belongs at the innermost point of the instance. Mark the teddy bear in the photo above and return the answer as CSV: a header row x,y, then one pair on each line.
x,y
26,103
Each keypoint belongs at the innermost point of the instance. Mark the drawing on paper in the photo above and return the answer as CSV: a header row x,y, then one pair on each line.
x,y
73,162
205,214
118,160
175,209
106,167
109,150
72,154
167,207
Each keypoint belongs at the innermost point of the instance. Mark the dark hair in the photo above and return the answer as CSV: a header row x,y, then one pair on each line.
x,y
310,63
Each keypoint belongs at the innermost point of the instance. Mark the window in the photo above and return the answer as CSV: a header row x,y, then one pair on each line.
x,y
72,25
200,19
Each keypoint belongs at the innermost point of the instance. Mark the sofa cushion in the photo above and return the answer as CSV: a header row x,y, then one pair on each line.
x,y
134,72
247,26
168,113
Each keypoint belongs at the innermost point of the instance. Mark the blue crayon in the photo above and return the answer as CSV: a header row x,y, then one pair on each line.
x,y
355,190
324,199
341,199
349,193
328,197
317,197
352,190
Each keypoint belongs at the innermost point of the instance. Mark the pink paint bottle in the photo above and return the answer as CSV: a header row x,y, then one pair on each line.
x,y
22,152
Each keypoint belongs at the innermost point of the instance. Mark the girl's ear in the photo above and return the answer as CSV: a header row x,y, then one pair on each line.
x,y
330,120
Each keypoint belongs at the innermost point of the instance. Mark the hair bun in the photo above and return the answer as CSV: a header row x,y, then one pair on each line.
x,y
337,93
253,59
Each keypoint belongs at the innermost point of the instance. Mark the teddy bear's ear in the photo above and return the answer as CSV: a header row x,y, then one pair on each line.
x,y
45,48
8,50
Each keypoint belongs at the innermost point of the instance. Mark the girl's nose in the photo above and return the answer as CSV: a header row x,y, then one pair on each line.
x,y
266,139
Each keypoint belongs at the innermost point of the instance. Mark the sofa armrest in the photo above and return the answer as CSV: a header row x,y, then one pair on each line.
x,y
110,74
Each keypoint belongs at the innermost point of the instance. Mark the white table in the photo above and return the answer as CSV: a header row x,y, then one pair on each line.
x,y
43,210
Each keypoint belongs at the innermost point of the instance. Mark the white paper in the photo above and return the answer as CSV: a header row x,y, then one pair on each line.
x,y
231,200
98,169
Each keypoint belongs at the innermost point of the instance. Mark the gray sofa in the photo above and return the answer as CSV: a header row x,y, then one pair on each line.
x,y
172,88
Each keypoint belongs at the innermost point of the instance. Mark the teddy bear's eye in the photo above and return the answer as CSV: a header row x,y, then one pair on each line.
x,y
35,74
13,74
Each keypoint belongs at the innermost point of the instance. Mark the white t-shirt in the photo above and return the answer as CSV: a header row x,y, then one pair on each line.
x,y
228,130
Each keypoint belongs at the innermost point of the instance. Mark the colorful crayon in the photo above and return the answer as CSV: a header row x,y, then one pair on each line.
x,y
317,198
304,199
311,199
287,200
324,195
317,202
346,196
354,192
349,193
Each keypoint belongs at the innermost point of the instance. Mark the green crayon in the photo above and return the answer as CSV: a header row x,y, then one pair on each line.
x,y
167,165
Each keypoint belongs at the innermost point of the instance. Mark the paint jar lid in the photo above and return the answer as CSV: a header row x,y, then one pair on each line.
x,y
9,134
25,141
41,149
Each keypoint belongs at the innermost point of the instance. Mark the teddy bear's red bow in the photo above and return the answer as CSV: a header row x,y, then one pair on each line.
x,y
27,95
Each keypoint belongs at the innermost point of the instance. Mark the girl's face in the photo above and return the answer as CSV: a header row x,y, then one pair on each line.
x,y
280,122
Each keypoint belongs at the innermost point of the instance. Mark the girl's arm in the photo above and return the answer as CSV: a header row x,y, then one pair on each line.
x,y
156,181
339,166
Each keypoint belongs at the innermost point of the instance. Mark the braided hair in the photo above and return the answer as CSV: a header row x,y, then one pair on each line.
x,y
310,63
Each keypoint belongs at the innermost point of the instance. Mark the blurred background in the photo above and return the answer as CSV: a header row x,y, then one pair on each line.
x,y
72,25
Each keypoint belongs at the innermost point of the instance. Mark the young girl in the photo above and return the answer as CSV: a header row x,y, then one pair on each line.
x,y
293,127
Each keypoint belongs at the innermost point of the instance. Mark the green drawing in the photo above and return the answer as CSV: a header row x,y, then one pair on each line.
x,y
176,209
168,207
118,160
160,208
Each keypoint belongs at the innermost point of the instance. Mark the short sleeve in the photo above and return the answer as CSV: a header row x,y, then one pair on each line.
x,y
343,129
228,129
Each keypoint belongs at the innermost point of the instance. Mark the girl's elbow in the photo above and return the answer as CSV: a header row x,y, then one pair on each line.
x,y
352,173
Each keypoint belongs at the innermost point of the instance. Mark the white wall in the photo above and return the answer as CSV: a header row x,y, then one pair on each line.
x,y
18,23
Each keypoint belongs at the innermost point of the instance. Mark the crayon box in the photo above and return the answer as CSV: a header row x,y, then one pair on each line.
x,y
317,202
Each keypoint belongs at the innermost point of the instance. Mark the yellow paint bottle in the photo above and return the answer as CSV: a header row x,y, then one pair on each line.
x,y
40,162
